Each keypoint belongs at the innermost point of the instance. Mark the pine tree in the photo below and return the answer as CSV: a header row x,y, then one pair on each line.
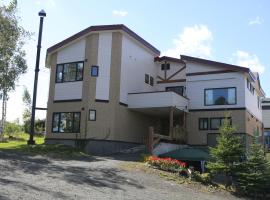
x,y
254,177
228,154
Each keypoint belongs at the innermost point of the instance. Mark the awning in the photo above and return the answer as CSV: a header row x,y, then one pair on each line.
x,y
188,154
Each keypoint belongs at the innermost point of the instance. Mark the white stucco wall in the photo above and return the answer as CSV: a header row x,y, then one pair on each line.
x,y
104,63
136,61
252,102
193,67
174,67
72,53
68,90
196,85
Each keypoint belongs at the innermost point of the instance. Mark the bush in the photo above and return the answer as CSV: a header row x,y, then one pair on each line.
x,y
204,178
11,129
167,164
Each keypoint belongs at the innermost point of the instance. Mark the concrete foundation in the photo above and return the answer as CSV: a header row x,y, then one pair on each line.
x,y
95,147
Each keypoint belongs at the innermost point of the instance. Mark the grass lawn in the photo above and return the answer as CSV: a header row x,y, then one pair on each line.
x,y
268,156
20,145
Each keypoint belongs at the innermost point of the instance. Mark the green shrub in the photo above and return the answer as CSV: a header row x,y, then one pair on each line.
x,y
11,129
202,178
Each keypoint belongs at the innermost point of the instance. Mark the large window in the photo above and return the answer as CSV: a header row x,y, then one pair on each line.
x,y
66,122
215,123
69,72
220,96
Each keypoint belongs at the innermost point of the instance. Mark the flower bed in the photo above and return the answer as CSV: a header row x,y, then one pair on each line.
x,y
167,164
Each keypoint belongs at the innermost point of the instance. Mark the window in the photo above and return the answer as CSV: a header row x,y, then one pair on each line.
x,y
220,96
203,124
165,66
215,123
94,71
66,122
146,78
250,87
151,80
92,115
69,72
176,89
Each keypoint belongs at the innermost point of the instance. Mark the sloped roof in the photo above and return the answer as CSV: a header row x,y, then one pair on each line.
x,y
103,28
167,58
210,62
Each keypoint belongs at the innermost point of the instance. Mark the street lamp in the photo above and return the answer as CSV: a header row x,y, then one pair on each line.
x,y
31,140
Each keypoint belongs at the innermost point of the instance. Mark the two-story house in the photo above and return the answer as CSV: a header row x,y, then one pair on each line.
x,y
108,86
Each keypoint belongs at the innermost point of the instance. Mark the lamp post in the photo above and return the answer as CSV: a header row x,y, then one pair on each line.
x,y
31,140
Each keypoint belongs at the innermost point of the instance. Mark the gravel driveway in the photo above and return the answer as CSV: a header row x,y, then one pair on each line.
x,y
41,177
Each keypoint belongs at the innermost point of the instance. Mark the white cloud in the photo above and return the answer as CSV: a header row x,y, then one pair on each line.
x,y
120,13
194,41
256,21
249,60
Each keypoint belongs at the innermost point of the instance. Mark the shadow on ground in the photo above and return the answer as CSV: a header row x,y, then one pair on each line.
x,y
87,171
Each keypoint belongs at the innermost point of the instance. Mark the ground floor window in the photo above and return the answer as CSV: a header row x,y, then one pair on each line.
x,y
66,122
215,123
92,115
203,124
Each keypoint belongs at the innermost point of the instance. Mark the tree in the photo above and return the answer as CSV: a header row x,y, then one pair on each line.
x,y
12,56
228,154
26,98
254,178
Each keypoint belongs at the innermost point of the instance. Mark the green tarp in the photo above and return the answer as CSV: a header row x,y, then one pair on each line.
x,y
188,154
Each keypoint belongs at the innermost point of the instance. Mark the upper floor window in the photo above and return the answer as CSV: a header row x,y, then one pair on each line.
x,y
165,66
69,72
94,71
250,87
146,78
220,96
151,80
177,89
66,122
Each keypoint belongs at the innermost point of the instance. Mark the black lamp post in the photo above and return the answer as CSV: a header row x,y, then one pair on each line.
x,y
31,140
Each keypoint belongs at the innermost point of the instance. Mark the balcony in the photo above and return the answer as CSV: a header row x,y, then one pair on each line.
x,y
155,100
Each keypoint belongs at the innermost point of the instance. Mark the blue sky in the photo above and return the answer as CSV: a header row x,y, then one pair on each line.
x,y
229,31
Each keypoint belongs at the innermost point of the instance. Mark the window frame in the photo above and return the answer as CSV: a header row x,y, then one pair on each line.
x,y
204,118
147,78
220,122
165,66
217,89
180,86
63,64
97,67
59,121
92,110
151,81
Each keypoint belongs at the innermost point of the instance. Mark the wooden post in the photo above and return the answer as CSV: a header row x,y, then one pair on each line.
x,y
171,121
150,139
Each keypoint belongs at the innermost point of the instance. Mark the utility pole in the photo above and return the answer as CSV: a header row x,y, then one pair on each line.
x,y
31,141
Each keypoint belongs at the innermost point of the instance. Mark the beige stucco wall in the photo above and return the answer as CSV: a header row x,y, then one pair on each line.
x,y
199,137
113,121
